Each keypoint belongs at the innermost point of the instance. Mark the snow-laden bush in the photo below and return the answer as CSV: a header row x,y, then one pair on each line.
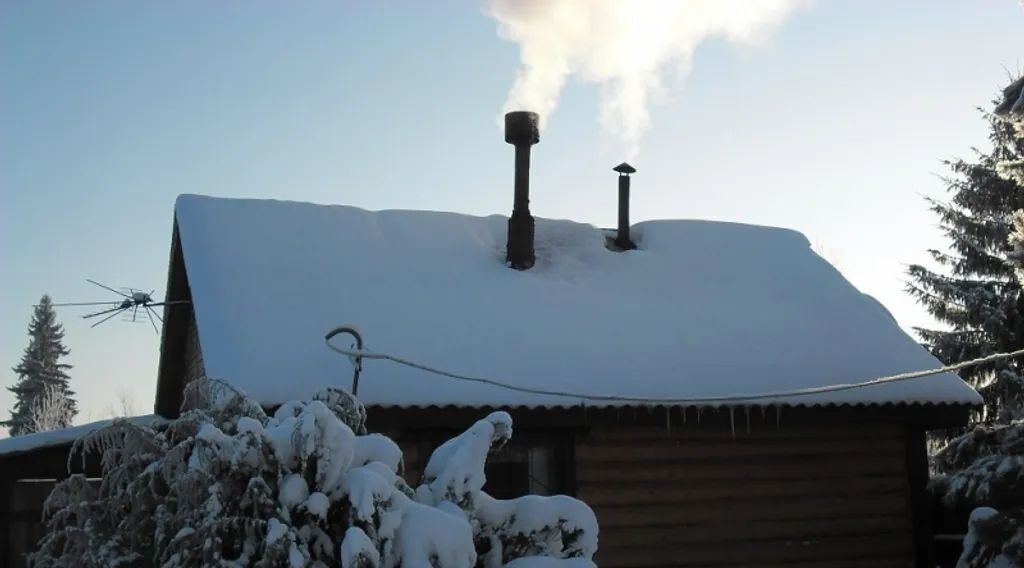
x,y
992,540
985,466
227,485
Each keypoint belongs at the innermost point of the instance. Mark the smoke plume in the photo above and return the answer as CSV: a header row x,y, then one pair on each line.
x,y
625,46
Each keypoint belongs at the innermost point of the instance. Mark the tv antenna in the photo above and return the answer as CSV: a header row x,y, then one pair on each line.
x,y
131,300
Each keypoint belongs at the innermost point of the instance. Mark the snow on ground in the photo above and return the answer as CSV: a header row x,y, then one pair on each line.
x,y
700,309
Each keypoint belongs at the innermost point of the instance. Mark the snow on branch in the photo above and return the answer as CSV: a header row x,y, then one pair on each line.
x,y
227,485
51,409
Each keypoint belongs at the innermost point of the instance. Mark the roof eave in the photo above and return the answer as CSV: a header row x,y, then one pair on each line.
x,y
928,416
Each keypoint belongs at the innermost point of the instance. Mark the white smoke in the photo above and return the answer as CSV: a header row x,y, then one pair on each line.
x,y
625,46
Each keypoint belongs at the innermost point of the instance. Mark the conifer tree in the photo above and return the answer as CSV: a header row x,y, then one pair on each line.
x,y
42,387
976,294
1012,110
1017,242
980,299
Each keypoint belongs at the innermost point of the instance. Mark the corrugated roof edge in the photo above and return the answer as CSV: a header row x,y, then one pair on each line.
x,y
890,404
915,415
19,445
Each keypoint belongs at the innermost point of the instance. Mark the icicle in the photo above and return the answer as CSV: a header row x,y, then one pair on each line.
x,y
700,410
732,421
668,420
746,410
684,415
764,413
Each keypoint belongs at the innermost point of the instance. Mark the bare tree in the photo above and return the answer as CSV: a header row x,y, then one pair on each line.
x,y
52,409
124,407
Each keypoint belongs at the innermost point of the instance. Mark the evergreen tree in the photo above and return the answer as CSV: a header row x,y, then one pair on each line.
x,y
982,302
43,382
1012,109
1017,241
976,294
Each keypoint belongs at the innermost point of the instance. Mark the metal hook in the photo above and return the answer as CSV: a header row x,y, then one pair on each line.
x,y
357,361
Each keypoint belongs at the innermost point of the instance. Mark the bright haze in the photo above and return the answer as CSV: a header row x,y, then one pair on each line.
x,y
828,117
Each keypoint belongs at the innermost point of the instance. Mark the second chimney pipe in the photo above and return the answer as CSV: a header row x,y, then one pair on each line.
x,y
622,234
522,132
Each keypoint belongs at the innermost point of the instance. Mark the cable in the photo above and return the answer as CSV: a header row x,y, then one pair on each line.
x,y
359,354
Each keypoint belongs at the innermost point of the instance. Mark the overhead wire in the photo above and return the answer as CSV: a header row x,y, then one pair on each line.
x,y
357,355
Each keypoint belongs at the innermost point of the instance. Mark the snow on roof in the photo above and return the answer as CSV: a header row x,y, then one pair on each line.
x,y
65,436
699,309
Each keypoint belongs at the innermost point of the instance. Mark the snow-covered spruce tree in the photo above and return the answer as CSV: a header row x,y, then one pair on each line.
x,y
40,374
983,468
227,485
1017,242
977,295
1012,110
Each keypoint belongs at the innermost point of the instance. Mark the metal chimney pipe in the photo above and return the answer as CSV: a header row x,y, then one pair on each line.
x,y
521,131
622,235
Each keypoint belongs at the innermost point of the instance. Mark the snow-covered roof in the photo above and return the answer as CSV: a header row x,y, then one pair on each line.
x,y
65,436
699,309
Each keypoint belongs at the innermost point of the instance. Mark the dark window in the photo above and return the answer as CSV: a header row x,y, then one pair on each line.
x,y
527,465
524,467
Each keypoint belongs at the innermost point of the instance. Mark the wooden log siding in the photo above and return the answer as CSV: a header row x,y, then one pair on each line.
x,y
193,356
828,495
25,482
26,527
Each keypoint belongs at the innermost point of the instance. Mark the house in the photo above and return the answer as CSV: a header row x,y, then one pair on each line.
x,y
669,383
700,309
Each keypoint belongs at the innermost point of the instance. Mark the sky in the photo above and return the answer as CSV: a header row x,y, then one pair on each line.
x,y
834,124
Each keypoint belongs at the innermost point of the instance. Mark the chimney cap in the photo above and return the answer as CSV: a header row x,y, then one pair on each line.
x,y
521,127
624,169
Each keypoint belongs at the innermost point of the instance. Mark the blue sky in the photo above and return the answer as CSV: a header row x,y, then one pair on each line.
x,y
834,126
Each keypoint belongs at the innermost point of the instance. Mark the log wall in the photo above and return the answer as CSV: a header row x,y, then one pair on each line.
x,y
24,526
827,495
193,356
